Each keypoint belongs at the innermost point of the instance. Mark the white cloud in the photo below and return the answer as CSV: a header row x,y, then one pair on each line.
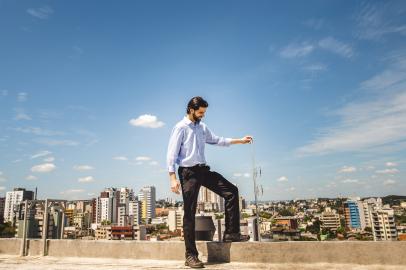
x,y
142,158
391,164
314,23
3,178
49,159
376,20
122,158
388,171
38,131
317,67
51,142
72,191
363,126
290,189
347,169
239,174
21,115
347,181
147,121
22,97
87,179
40,13
153,163
295,50
333,45
369,168
389,182
2,188
41,154
43,168
82,168
31,177
283,179
384,80
331,185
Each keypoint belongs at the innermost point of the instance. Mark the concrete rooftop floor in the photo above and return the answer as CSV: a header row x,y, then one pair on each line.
x,y
75,263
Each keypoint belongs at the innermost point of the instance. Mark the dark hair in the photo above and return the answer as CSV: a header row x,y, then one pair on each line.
x,y
195,103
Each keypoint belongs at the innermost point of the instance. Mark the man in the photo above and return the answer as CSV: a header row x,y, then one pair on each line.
x,y
186,148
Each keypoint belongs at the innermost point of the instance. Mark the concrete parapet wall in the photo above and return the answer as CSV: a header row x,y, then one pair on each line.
x,y
10,246
345,252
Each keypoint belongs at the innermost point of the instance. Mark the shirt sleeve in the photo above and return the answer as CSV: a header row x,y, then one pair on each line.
x,y
175,142
211,138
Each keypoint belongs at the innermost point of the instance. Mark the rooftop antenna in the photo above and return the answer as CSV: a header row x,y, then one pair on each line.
x,y
257,189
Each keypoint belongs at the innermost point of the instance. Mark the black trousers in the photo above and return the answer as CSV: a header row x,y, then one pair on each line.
x,y
191,179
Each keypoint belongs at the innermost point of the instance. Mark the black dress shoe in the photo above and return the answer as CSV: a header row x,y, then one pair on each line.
x,y
194,262
235,237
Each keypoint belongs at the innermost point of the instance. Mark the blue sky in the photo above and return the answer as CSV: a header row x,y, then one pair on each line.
x,y
90,90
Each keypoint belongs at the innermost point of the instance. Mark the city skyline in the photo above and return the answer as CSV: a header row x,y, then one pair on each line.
x,y
88,102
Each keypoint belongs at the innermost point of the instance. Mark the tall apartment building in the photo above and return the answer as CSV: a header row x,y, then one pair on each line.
x,y
330,219
209,200
2,205
351,213
126,195
147,197
107,206
366,207
13,200
134,212
384,227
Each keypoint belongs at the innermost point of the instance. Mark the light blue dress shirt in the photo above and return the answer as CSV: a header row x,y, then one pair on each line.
x,y
187,141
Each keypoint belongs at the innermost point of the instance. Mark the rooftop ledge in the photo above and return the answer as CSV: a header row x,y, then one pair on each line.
x,y
368,254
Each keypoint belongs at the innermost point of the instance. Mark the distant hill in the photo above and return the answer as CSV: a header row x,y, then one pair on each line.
x,y
393,199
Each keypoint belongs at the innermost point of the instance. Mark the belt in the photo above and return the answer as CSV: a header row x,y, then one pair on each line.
x,y
197,166
200,165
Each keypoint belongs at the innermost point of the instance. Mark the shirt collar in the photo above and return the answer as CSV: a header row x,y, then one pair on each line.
x,y
188,122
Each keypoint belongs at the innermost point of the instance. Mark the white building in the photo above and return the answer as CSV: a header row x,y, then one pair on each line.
x,y
134,212
107,206
126,195
13,200
175,219
366,208
384,227
147,197
330,219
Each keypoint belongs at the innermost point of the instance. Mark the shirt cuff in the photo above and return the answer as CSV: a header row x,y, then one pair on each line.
x,y
171,168
227,141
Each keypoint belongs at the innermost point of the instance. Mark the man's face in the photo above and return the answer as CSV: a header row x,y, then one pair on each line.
x,y
198,114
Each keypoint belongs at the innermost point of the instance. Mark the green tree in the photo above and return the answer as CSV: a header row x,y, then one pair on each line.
x,y
219,216
315,227
105,222
265,215
245,215
286,212
7,230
